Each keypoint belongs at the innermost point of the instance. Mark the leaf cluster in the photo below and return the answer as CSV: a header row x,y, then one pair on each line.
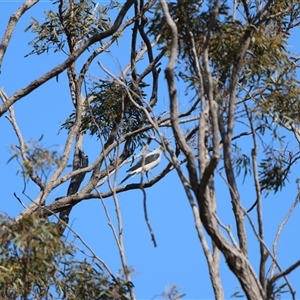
x,y
274,170
281,99
111,110
191,17
172,293
39,161
265,56
267,78
241,162
71,24
36,263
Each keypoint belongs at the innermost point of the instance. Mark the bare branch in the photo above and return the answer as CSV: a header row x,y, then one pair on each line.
x,y
280,227
13,20
22,145
169,71
263,254
269,287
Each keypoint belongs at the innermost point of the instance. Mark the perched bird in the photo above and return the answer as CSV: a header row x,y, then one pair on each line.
x,y
146,163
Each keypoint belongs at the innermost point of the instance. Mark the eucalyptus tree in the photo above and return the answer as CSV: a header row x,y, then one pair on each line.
x,y
232,59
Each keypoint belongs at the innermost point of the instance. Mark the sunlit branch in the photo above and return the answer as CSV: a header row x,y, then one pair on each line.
x,y
13,20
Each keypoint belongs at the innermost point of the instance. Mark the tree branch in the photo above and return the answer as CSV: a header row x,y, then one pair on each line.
x,y
73,57
13,20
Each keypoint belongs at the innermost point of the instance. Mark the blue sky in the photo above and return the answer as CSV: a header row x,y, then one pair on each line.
x,y
178,259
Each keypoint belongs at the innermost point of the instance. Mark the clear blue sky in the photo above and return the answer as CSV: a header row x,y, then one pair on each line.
x,y
178,259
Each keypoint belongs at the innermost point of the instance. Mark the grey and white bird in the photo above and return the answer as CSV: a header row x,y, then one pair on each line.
x,y
146,163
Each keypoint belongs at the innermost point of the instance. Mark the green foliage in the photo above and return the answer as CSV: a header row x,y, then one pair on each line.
x,y
111,110
282,98
172,293
265,56
267,80
274,169
36,263
188,16
277,292
241,162
72,24
192,17
38,161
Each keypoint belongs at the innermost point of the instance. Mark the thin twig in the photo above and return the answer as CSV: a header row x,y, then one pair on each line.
x,y
22,145
263,255
21,202
145,208
271,255
228,230
280,227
